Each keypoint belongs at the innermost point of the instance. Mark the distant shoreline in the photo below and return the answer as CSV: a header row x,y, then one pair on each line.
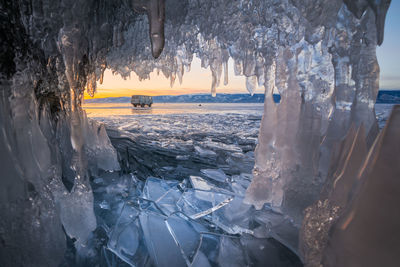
x,y
190,98
384,97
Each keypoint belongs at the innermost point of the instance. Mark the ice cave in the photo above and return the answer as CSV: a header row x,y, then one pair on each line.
x,y
324,187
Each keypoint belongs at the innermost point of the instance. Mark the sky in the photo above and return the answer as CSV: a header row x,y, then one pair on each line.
x,y
198,80
389,53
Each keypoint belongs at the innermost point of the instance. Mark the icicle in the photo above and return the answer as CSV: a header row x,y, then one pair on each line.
x,y
180,72
172,79
260,70
216,71
188,67
91,84
251,84
237,67
249,65
204,62
155,10
102,69
226,78
213,84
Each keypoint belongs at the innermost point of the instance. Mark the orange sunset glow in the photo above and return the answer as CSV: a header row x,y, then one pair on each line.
x,y
198,80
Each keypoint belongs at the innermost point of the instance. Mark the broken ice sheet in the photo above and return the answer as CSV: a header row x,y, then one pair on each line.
x,y
163,193
77,214
207,251
200,184
196,204
182,157
200,260
234,218
204,152
222,146
215,174
124,242
170,241
126,238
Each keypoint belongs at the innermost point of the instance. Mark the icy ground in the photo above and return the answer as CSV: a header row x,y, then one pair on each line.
x,y
178,200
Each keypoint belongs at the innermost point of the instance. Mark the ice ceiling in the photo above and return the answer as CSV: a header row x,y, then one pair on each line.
x,y
319,55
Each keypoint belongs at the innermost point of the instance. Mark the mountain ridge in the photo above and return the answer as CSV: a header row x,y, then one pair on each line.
x,y
384,96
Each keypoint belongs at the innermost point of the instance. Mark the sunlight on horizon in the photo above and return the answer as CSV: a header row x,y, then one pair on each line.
x,y
198,80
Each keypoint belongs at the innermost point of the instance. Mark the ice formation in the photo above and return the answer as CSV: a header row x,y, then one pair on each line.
x,y
348,226
318,55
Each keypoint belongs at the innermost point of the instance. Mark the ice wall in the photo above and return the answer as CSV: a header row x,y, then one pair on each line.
x,y
354,222
45,191
318,55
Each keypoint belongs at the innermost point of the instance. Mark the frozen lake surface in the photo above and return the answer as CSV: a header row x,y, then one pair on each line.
x,y
186,137
114,109
178,200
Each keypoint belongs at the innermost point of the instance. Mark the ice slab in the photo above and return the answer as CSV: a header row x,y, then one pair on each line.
x,y
207,252
165,194
171,242
124,242
200,260
234,218
215,174
182,157
196,204
200,184
77,214
204,152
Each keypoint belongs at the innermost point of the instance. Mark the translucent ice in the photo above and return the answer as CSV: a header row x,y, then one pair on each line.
x,y
170,241
76,213
215,174
163,193
196,203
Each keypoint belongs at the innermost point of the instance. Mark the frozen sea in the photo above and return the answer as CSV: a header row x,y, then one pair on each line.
x,y
178,199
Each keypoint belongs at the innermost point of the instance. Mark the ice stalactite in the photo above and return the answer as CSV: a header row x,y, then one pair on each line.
x,y
155,10
327,81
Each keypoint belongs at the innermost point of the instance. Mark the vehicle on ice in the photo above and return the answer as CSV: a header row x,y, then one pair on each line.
x,y
141,100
